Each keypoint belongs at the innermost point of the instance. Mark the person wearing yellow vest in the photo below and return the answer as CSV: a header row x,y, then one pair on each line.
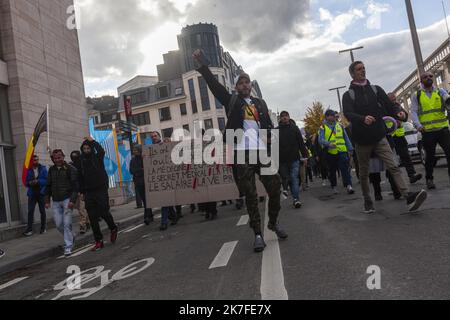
x,y
400,145
334,139
428,109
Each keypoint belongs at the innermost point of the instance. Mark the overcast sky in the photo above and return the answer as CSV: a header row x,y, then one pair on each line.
x,y
289,46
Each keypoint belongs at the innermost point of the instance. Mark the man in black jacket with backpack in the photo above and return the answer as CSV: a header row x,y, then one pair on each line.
x,y
365,106
249,114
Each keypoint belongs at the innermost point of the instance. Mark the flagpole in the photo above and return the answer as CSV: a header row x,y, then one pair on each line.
x,y
48,126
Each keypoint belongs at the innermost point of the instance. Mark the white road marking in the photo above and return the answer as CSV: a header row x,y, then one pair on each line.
x,y
80,252
224,255
75,253
272,277
243,220
11,283
134,228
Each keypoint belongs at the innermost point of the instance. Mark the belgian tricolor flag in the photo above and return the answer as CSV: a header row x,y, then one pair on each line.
x,y
40,128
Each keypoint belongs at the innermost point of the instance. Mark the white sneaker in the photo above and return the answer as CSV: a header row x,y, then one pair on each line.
x,y
67,252
350,190
335,191
324,183
285,194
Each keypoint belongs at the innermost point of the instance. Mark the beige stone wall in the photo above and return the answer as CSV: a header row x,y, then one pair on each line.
x,y
44,67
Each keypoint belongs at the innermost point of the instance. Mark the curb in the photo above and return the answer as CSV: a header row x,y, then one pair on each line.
x,y
80,241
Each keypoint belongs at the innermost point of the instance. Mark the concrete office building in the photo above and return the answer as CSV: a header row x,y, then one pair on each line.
x,y
103,111
39,64
181,98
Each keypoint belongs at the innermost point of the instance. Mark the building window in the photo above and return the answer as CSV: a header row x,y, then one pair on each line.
x,y
209,124
222,123
138,98
439,80
193,97
167,133
141,119
204,94
179,91
187,128
96,121
164,114
163,92
183,109
106,118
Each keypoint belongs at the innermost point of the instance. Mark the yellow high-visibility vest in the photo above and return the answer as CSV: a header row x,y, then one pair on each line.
x,y
432,111
400,132
337,138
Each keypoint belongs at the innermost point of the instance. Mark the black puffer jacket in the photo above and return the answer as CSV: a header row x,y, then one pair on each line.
x,y
291,143
93,173
62,184
137,170
367,103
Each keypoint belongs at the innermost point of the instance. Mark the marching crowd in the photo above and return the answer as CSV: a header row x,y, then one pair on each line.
x,y
368,143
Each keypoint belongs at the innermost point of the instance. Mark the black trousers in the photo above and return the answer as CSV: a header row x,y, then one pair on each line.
x,y
375,180
138,198
140,190
401,147
430,141
211,207
97,206
32,201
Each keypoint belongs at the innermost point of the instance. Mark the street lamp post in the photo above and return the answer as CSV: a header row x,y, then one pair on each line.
x,y
415,38
339,96
351,52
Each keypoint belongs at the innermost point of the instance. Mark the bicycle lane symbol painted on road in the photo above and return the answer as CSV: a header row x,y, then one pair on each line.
x,y
74,285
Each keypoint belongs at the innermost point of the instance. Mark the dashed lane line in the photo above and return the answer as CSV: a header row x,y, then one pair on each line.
x,y
272,277
243,220
13,282
224,255
134,228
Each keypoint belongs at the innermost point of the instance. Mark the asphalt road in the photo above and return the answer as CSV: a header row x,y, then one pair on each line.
x,y
331,245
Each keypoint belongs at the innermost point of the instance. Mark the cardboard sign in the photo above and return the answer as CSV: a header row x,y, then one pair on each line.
x,y
168,184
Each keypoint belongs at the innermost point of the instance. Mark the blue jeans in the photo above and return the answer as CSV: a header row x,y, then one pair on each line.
x,y
290,171
166,212
341,162
63,221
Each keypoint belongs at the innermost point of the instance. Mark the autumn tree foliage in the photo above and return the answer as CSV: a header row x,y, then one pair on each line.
x,y
315,115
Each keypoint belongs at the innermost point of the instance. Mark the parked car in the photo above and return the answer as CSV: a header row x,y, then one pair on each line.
x,y
415,145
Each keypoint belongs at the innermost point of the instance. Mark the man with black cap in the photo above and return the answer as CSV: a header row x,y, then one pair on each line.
x,y
248,114
291,146
95,184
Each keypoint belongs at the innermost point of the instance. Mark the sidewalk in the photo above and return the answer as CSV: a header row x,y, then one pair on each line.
x,y
24,251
